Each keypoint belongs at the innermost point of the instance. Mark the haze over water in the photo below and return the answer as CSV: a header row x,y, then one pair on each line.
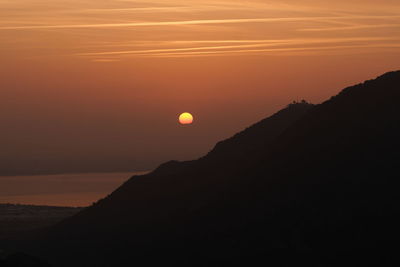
x,y
75,190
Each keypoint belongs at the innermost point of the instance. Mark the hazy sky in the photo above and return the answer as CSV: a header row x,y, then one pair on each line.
x,y
96,85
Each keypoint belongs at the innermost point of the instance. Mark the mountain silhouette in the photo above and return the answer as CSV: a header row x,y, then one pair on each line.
x,y
312,184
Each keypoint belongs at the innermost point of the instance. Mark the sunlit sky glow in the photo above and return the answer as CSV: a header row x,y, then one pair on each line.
x,y
103,78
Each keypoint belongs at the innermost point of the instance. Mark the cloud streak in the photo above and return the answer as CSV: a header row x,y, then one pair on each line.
x,y
271,50
353,27
192,22
239,44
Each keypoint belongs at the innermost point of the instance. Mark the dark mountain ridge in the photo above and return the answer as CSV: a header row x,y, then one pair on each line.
x,y
317,181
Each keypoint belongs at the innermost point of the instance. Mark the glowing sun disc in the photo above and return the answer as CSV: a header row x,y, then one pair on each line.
x,y
185,118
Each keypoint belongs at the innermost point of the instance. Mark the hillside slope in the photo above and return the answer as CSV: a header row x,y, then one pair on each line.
x,y
321,180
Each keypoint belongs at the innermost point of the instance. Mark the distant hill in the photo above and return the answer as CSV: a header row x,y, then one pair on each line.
x,y
311,184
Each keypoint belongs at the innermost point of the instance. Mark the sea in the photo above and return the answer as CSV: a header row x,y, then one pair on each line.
x,y
68,190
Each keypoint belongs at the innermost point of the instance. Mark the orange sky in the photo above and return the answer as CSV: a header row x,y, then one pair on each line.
x,y
94,85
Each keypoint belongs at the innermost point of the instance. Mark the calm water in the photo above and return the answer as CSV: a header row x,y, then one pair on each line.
x,y
60,189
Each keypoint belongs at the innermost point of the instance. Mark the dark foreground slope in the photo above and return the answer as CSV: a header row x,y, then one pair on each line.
x,y
311,184
16,218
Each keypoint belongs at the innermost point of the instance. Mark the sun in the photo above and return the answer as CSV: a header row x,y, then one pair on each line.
x,y
185,118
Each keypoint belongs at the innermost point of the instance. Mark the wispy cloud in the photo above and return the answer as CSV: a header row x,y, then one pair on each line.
x,y
105,60
142,9
246,46
353,27
276,51
175,49
189,22
105,30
